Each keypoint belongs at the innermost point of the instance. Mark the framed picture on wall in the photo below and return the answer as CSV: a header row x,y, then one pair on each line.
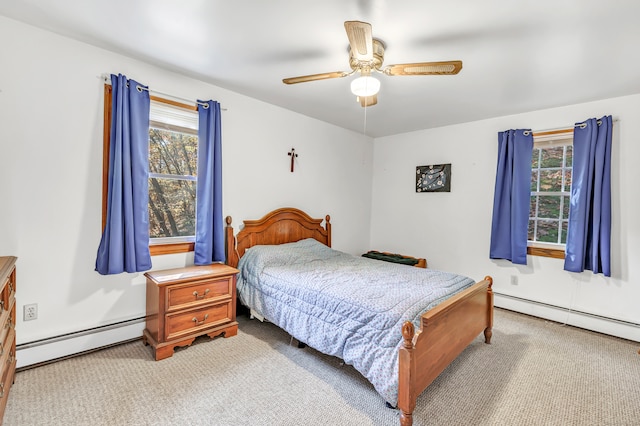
x,y
433,178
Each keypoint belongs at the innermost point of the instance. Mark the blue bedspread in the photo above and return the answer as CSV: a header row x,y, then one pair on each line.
x,y
347,306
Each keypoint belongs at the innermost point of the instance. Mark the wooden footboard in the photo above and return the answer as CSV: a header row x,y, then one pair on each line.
x,y
444,333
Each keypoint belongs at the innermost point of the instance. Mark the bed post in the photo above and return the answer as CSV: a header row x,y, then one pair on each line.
x,y
406,378
230,244
327,226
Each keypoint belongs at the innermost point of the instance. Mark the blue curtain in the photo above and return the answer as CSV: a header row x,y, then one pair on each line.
x,y
124,246
209,246
589,235
512,196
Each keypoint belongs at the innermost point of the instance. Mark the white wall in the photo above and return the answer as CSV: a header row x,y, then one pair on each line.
x,y
452,230
51,108
50,187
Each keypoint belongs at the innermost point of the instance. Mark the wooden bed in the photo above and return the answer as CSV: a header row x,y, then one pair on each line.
x,y
445,330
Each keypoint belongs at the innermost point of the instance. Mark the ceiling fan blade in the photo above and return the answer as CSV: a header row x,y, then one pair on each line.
x,y
367,101
424,68
314,77
360,40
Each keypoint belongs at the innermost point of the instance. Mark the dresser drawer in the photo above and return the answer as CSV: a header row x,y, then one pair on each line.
x,y
7,352
6,324
198,293
7,368
8,293
195,320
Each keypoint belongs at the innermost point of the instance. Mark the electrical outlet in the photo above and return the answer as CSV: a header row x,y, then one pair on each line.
x,y
30,312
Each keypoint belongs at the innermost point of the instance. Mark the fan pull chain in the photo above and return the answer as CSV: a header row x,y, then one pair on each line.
x,y
364,128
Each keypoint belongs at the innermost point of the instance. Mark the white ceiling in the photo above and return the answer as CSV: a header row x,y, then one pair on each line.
x,y
518,55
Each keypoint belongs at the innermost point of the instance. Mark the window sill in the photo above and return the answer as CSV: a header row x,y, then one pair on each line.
x,y
545,252
160,249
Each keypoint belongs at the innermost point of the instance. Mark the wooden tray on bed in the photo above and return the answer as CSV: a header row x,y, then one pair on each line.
x,y
445,330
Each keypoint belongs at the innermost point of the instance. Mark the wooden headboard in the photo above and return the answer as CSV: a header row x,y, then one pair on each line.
x,y
285,225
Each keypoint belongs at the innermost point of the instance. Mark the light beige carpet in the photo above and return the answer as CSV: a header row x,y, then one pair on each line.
x,y
534,373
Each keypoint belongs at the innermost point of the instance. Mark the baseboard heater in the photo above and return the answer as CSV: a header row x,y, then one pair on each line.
x,y
44,351
63,346
599,323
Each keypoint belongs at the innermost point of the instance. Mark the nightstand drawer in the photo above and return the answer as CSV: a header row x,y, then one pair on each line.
x,y
197,319
199,293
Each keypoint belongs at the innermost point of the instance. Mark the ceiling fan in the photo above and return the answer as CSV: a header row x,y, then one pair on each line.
x,y
366,55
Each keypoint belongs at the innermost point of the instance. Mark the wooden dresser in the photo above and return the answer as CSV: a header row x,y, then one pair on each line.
x,y
185,303
7,327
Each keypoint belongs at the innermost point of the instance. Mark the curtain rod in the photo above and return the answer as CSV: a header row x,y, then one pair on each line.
x,y
582,126
107,80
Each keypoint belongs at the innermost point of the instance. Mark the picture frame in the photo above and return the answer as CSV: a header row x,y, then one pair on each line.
x,y
433,178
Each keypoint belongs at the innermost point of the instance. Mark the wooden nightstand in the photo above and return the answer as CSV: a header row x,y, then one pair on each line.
x,y
185,303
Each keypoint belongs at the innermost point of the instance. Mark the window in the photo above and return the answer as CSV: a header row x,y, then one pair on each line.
x,y
173,143
551,166
173,148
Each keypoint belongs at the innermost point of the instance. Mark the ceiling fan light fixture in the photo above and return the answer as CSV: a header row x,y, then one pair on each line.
x,y
366,55
365,86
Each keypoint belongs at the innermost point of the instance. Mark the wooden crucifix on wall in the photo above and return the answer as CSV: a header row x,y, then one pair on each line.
x,y
292,154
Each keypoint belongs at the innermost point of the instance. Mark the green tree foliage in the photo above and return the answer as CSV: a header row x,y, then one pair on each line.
x,y
172,184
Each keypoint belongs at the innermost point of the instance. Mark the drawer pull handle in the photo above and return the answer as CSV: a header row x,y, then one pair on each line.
x,y
198,297
194,319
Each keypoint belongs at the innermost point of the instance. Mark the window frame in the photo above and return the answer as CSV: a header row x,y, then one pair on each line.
x,y
154,249
548,249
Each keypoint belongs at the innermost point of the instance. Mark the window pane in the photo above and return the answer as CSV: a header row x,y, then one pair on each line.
x,y
172,208
547,231
565,207
172,152
532,224
551,180
567,180
552,157
549,206
534,158
565,226
569,161
534,180
532,206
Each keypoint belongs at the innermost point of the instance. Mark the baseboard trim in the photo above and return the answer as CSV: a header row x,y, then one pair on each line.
x,y
63,346
611,326
56,348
